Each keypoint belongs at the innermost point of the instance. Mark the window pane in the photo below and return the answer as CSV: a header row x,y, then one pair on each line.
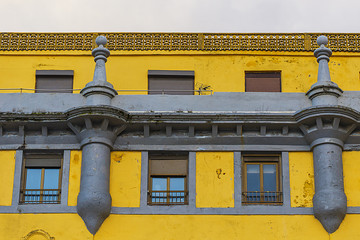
x,y
253,182
51,178
51,181
33,178
33,181
269,171
177,184
253,177
159,184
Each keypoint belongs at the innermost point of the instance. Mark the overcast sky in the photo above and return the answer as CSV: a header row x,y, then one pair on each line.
x,y
180,16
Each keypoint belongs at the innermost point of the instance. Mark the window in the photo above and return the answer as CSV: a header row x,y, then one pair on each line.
x,y
168,180
261,179
41,179
262,81
171,82
54,81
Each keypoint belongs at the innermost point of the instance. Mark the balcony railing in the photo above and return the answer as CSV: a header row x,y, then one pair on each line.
x,y
167,197
122,91
267,197
40,196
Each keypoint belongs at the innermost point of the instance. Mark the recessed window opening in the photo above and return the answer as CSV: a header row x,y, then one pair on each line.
x,y
261,180
168,180
41,179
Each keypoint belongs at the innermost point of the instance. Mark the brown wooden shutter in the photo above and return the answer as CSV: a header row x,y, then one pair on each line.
x,y
54,81
43,160
168,167
167,82
263,82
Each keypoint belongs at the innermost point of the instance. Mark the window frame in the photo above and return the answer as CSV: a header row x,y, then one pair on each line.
x,y
261,160
40,157
151,175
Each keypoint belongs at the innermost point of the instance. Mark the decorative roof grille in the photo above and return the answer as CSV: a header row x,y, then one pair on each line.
x,y
289,42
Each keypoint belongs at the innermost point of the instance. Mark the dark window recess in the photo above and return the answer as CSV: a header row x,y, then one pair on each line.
x,y
41,179
171,82
54,81
261,180
168,180
262,81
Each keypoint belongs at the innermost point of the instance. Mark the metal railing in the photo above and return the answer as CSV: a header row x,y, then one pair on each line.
x,y
267,197
40,196
167,197
159,92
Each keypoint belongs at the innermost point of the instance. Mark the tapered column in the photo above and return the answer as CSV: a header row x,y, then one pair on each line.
x,y
329,199
94,200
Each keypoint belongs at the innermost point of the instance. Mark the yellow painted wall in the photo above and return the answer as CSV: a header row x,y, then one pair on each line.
x,y
223,71
165,227
7,163
125,179
352,177
19,71
125,174
74,177
214,179
301,179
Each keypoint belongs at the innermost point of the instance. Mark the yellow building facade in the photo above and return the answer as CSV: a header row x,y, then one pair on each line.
x,y
227,135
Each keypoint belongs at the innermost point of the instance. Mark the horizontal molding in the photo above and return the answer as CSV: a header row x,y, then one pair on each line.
x,y
170,210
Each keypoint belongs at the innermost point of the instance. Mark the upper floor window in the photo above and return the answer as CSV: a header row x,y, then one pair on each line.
x,y
41,179
261,179
171,82
54,81
168,176
262,81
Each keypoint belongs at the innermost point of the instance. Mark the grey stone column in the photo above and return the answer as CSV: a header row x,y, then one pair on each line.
x,y
94,200
326,126
330,202
96,125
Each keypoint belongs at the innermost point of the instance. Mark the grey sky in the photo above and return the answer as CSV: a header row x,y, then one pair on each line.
x,y
180,16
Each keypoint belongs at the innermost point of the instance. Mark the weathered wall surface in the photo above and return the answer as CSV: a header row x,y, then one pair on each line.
x,y
15,226
351,177
214,179
7,160
222,71
74,177
301,179
125,175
